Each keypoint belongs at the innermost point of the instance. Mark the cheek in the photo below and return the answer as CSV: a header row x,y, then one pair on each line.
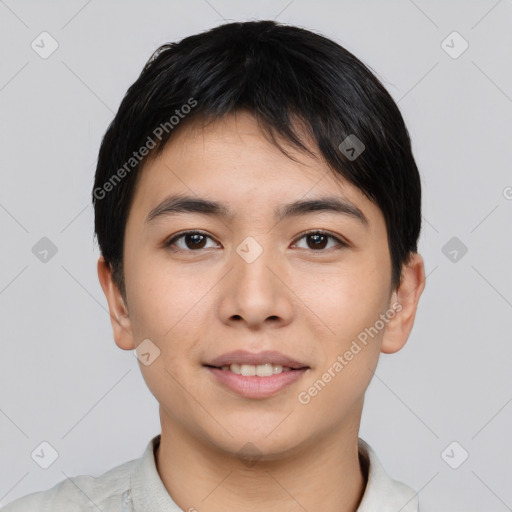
x,y
171,309
162,302
350,306
345,302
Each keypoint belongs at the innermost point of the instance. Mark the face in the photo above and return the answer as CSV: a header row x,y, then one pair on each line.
x,y
253,275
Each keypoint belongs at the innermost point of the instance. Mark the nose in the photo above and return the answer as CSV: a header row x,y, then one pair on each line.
x,y
255,293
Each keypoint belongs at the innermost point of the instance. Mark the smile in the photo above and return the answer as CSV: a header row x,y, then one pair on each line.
x,y
261,381
261,370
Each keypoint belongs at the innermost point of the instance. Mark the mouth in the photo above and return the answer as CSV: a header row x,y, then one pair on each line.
x,y
253,375
254,386
263,364
260,370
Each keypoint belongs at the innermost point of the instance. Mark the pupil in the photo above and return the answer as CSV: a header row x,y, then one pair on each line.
x,y
196,238
317,237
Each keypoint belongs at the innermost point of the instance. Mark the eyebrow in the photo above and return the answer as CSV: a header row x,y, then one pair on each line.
x,y
176,204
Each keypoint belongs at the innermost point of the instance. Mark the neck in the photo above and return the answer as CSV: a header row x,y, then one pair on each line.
x,y
324,475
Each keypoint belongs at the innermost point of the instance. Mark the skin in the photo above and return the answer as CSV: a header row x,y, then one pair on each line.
x,y
309,303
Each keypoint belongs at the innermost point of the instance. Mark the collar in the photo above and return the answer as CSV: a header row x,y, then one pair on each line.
x,y
382,493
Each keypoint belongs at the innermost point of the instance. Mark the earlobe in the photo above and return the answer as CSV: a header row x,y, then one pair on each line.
x,y
119,316
407,296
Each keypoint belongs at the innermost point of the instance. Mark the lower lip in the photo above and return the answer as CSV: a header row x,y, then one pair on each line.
x,y
256,387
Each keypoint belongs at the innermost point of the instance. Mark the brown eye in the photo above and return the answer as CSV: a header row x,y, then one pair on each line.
x,y
192,241
318,240
195,240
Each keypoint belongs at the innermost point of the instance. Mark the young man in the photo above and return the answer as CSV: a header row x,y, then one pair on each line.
x,y
258,208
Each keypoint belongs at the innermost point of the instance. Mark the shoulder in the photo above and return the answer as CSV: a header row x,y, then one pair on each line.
x,y
80,493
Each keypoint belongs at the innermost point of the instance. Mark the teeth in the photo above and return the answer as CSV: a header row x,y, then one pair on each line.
x,y
261,370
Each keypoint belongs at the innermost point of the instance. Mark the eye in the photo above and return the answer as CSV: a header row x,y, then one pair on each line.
x,y
319,240
193,240
197,240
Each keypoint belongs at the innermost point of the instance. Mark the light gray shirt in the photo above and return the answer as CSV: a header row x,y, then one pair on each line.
x,y
135,486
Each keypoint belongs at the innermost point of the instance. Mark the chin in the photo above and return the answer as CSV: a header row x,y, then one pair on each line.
x,y
251,443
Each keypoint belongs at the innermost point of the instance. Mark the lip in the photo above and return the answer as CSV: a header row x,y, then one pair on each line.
x,y
244,357
254,386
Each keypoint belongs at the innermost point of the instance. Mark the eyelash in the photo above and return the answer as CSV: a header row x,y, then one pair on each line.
x,y
172,241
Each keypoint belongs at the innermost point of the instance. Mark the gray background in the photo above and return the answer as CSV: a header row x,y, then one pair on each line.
x,y
62,378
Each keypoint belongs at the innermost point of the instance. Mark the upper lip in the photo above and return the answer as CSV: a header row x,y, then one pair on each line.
x,y
244,357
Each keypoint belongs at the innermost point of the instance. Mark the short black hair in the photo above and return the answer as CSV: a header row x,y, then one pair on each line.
x,y
281,74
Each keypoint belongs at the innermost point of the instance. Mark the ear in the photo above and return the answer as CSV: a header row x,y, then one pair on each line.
x,y
119,316
407,295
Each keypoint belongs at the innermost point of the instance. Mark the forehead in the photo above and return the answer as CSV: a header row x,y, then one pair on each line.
x,y
232,160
